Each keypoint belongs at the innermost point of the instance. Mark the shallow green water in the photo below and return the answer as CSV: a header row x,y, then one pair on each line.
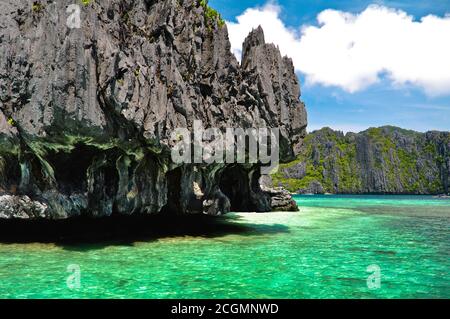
x,y
321,252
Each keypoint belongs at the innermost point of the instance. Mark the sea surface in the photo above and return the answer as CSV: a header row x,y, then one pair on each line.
x,y
334,247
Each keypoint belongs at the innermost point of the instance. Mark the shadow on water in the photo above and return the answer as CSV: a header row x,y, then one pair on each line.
x,y
83,234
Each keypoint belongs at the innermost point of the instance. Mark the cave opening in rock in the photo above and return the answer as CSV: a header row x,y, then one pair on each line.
x,y
234,183
173,192
71,167
9,173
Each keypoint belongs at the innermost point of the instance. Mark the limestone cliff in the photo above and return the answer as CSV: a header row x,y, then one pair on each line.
x,y
379,160
86,113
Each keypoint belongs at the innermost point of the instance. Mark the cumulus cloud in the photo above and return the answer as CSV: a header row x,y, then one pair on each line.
x,y
354,51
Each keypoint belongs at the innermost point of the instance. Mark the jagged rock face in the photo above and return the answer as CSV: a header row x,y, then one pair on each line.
x,y
379,160
280,199
86,114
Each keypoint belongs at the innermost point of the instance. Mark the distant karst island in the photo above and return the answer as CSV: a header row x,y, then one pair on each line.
x,y
384,160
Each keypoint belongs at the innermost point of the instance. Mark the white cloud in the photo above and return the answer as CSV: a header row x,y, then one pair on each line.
x,y
353,51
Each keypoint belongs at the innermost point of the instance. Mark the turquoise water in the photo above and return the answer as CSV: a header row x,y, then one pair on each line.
x,y
323,251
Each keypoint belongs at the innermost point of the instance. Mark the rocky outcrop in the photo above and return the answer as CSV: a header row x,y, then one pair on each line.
x,y
280,199
380,160
87,113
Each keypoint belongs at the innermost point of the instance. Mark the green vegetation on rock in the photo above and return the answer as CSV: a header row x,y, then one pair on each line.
x,y
37,6
211,15
86,2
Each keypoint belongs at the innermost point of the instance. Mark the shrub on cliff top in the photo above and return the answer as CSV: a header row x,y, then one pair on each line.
x,y
211,15
11,121
37,6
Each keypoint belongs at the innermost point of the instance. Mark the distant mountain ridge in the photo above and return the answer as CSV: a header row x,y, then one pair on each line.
x,y
384,160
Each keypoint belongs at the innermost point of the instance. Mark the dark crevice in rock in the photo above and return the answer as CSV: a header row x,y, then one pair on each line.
x,y
174,192
71,167
235,184
9,174
103,180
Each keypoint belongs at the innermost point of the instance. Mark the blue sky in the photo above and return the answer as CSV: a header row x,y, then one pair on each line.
x,y
380,103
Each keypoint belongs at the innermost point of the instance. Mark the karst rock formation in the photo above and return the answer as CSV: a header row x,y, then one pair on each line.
x,y
86,113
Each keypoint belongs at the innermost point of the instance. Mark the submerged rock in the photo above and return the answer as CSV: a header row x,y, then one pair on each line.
x,y
87,113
